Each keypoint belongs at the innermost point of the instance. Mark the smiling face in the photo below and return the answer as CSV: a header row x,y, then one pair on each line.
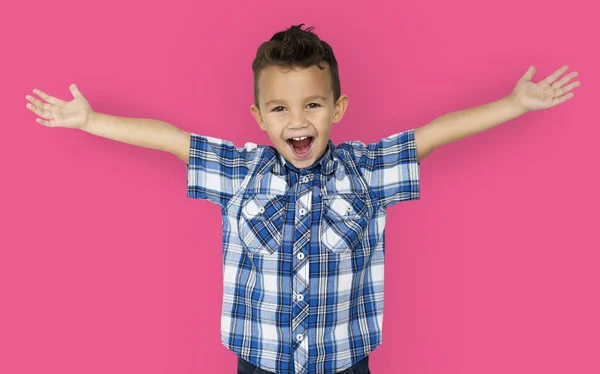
x,y
297,110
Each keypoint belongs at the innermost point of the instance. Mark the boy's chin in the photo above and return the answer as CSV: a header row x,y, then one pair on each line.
x,y
302,164
299,163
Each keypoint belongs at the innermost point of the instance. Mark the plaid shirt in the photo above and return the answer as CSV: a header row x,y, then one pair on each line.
x,y
303,249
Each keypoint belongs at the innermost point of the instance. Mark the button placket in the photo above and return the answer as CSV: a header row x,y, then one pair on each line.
x,y
300,280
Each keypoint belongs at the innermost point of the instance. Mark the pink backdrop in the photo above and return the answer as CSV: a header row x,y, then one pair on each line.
x,y
107,267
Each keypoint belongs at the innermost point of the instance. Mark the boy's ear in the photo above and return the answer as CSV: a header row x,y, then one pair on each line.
x,y
340,108
257,116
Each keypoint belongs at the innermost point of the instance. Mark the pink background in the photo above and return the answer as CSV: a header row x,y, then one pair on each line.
x,y
107,267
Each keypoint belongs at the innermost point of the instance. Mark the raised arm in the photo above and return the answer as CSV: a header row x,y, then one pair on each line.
x,y
78,114
526,97
142,132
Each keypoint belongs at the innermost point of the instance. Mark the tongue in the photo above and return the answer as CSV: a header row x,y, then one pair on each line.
x,y
301,143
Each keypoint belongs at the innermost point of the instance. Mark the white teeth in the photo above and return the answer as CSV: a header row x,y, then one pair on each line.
x,y
300,138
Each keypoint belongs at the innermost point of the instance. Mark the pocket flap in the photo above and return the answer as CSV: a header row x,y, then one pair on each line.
x,y
262,207
345,206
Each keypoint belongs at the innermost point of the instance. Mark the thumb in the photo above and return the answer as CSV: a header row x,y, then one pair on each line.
x,y
75,91
529,74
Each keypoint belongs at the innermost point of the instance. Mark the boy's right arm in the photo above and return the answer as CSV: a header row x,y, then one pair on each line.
x,y
142,132
216,168
78,114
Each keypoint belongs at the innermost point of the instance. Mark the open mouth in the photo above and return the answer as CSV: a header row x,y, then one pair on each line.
x,y
301,146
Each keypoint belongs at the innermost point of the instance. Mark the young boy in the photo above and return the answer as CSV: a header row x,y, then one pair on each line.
x,y
303,219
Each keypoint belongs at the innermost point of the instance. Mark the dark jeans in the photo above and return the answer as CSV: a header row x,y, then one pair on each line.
x,y
361,367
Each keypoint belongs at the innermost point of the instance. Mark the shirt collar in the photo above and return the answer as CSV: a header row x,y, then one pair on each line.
x,y
327,163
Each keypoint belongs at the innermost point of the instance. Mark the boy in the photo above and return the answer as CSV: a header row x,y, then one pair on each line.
x,y
303,219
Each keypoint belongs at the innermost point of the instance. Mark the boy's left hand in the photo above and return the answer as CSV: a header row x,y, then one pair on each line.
x,y
545,94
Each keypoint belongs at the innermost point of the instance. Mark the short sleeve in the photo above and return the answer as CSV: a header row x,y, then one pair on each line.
x,y
391,167
216,168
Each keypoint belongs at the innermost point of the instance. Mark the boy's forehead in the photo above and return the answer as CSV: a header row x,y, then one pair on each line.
x,y
279,83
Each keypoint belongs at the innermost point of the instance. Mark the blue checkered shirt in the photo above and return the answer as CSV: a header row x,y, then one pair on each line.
x,y
303,249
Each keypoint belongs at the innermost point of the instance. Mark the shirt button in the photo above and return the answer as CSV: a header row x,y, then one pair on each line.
x,y
300,256
300,297
302,211
299,337
304,179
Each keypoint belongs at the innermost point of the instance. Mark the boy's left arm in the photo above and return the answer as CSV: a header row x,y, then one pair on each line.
x,y
526,96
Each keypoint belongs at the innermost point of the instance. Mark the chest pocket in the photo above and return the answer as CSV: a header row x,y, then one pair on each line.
x,y
261,223
345,221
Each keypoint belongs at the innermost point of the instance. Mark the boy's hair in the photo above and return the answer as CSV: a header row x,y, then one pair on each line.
x,y
293,48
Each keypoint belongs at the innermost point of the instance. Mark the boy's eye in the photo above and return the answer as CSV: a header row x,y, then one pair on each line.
x,y
280,108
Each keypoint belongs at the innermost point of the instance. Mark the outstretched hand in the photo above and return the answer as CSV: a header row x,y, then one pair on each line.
x,y
546,93
58,113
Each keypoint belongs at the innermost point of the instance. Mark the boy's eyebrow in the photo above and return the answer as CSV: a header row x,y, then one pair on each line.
x,y
271,102
316,97
310,98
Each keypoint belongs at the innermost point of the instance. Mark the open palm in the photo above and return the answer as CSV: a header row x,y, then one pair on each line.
x,y
58,113
546,93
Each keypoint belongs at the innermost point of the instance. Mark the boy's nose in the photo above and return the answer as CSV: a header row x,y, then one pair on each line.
x,y
298,120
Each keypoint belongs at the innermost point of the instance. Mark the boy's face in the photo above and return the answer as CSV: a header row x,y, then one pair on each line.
x,y
297,111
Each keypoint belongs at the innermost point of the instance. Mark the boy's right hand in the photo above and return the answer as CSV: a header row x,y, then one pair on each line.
x,y
76,113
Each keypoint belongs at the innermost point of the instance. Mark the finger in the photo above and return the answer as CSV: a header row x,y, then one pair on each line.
x,y
564,80
562,99
554,76
44,122
38,103
38,111
566,89
529,74
50,99
40,108
75,91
